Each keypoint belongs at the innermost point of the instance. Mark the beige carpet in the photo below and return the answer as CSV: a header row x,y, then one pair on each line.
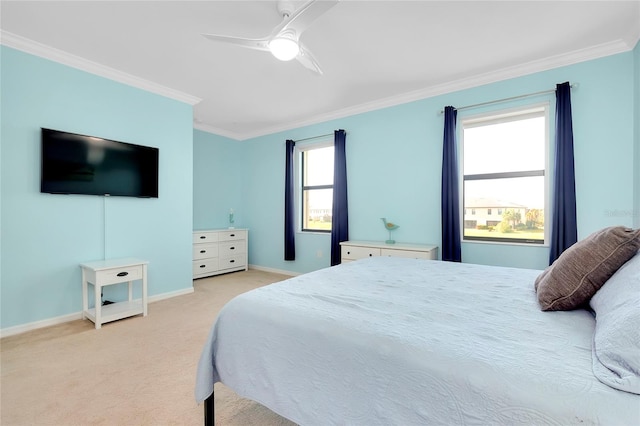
x,y
136,371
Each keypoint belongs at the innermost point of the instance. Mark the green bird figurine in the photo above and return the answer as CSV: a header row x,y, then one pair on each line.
x,y
390,226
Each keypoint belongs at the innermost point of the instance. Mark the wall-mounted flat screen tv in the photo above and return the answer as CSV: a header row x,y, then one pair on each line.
x,y
80,164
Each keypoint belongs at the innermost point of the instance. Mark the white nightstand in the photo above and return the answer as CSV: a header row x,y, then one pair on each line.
x,y
106,272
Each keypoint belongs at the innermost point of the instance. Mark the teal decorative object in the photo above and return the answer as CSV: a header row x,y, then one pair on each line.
x,y
389,226
231,219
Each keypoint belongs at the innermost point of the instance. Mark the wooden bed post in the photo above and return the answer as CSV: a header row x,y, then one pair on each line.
x,y
209,418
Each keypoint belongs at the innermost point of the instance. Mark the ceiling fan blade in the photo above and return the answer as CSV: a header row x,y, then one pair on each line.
x,y
304,16
257,44
306,58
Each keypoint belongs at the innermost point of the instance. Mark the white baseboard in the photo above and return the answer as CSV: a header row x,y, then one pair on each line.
x,y
275,271
170,294
23,328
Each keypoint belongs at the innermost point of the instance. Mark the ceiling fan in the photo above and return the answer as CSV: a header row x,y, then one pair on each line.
x,y
284,41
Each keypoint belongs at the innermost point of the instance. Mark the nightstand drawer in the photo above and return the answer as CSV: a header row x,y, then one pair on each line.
x,y
118,275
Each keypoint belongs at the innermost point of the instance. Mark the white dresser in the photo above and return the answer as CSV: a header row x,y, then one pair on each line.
x,y
218,251
354,250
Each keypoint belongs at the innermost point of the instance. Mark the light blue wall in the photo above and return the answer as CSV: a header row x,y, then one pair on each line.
x,y
603,111
218,176
389,153
45,236
394,165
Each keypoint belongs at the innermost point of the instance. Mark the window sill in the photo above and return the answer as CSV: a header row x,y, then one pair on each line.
x,y
505,243
313,233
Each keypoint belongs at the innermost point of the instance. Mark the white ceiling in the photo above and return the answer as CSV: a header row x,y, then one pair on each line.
x,y
373,53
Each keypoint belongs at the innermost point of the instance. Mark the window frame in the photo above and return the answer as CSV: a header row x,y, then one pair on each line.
x,y
300,187
541,109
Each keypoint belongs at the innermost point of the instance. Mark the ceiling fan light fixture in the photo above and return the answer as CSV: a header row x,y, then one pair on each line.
x,y
284,48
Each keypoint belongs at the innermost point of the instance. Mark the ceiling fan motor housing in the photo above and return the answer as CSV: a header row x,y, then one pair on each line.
x,y
285,8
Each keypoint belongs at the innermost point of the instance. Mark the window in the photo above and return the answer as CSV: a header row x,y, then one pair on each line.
x,y
504,169
316,186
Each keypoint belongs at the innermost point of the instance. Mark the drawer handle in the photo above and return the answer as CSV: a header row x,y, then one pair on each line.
x,y
232,248
231,261
203,251
232,235
370,254
202,266
123,274
202,237
348,252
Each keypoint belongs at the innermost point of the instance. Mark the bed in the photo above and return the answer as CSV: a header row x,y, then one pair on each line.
x,y
395,341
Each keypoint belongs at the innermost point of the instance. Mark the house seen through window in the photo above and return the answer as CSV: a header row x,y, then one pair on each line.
x,y
504,173
316,183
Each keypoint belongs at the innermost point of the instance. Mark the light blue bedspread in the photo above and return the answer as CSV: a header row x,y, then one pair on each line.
x,y
392,341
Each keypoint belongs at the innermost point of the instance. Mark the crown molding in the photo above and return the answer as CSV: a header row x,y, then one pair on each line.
x,y
47,52
217,131
551,62
594,52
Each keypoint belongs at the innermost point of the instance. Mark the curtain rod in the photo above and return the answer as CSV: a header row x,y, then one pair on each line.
x,y
314,137
544,92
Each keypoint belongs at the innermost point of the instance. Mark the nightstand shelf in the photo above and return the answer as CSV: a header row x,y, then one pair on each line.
x,y
116,311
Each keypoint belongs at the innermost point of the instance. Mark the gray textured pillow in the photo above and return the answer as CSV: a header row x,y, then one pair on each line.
x,y
616,340
584,267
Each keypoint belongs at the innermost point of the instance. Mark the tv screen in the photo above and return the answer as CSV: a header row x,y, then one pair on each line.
x,y
79,164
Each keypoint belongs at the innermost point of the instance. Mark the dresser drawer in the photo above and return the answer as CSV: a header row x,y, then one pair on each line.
x,y
205,237
232,248
407,253
232,235
204,266
119,275
236,261
355,252
203,251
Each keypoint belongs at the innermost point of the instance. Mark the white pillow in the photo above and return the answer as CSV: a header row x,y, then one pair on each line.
x,y
616,341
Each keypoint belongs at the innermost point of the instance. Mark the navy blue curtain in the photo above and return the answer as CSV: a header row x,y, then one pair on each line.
x,y
564,228
451,250
340,220
289,205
